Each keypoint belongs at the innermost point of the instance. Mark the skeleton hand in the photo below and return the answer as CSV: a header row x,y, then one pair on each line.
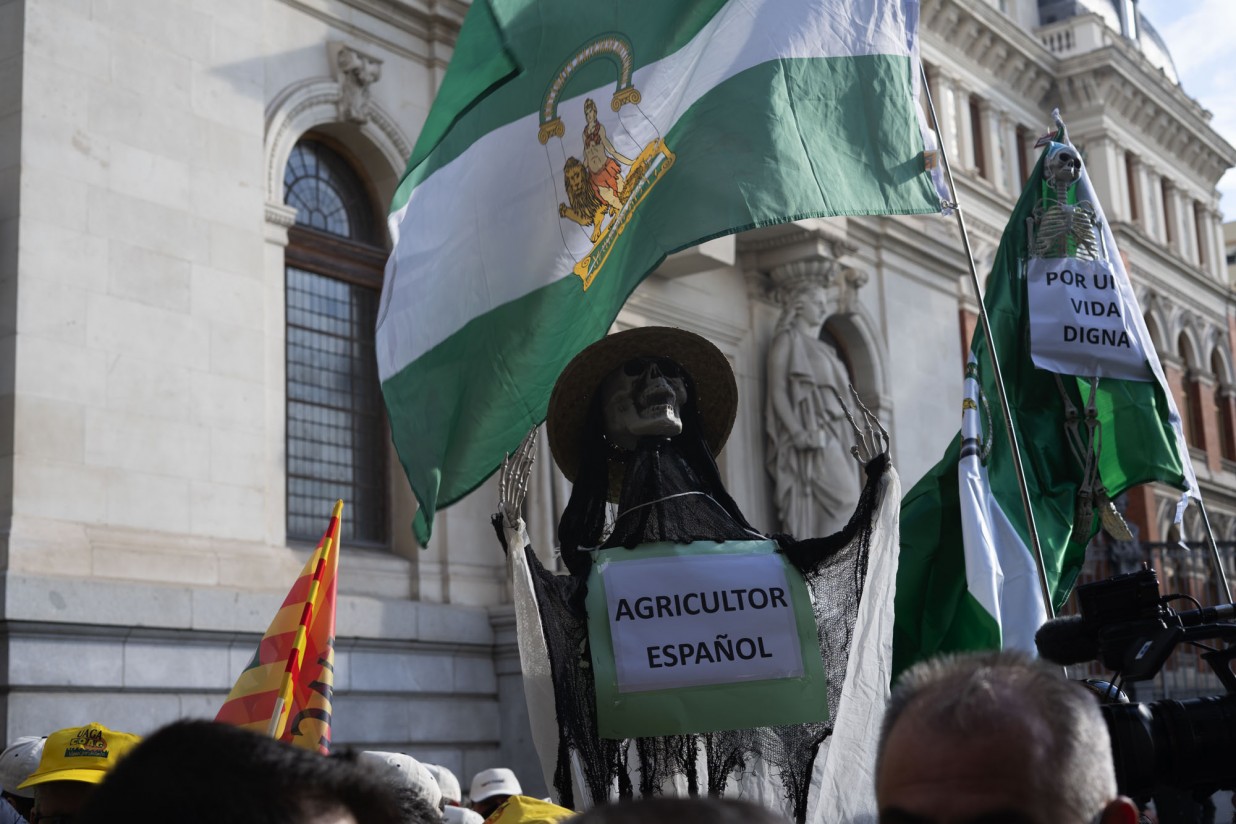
x,y
872,437
513,481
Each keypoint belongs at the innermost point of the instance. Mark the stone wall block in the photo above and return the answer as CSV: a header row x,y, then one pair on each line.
x,y
52,369
227,403
68,148
66,491
175,666
202,705
108,603
120,440
453,624
257,567
70,40
43,660
475,674
142,174
455,720
53,198
238,457
157,502
221,610
156,390
43,712
140,222
240,251
363,720
123,327
143,275
396,671
237,352
48,428
225,511
58,547
374,618
53,253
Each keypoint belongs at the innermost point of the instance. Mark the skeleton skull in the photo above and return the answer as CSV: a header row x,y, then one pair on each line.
x,y
643,397
1064,167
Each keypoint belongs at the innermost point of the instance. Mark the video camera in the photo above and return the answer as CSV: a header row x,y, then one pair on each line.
x,y
1125,624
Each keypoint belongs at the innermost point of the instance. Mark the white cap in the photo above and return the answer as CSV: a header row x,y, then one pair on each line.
x,y
447,781
461,815
18,761
405,771
498,781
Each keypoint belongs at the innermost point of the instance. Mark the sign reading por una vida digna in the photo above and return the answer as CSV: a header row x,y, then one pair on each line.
x,y
689,638
1080,322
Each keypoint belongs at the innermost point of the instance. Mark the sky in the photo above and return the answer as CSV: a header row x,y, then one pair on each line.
x,y
1199,37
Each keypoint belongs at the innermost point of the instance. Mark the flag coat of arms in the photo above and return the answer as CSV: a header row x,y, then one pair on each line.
x,y
286,689
967,577
572,146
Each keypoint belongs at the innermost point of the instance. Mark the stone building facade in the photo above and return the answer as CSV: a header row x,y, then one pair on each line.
x,y
191,206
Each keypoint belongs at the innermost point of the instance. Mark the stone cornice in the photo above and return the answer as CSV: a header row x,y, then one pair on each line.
x,y
1117,82
430,22
975,33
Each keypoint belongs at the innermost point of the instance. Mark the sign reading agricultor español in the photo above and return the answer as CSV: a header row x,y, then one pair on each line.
x,y
702,637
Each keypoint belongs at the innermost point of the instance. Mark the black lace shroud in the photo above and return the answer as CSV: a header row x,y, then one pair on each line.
x,y
834,568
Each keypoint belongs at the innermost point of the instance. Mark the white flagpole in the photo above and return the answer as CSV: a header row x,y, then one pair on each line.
x,y
995,360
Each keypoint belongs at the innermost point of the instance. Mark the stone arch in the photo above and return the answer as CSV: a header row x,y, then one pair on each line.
x,y
1156,322
855,334
1220,361
1189,347
378,145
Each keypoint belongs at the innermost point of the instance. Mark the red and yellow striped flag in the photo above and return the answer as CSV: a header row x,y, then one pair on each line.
x,y
286,689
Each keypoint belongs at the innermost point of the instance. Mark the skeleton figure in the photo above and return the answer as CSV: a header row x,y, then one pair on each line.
x,y
636,419
1062,229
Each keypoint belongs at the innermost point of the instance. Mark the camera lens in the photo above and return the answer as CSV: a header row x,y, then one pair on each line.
x,y
1186,744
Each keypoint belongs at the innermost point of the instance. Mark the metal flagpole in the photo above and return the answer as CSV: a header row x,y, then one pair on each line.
x,y
995,360
1214,551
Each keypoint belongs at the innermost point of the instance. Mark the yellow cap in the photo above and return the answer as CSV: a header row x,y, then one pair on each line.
x,y
81,754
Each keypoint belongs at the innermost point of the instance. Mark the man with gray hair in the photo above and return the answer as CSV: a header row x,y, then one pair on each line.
x,y
995,737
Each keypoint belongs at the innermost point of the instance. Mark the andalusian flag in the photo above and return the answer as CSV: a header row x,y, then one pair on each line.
x,y
573,145
1059,298
285,691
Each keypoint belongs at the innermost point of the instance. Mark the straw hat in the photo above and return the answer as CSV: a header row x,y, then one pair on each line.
x,y
716,393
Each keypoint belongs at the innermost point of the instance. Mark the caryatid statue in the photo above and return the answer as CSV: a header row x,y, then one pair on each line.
x,y
815,482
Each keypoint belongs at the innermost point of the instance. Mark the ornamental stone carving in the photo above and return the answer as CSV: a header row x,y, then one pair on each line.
x,y
356,72
816,482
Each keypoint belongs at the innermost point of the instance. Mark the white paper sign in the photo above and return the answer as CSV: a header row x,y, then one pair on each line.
x,y
689,621
1079,320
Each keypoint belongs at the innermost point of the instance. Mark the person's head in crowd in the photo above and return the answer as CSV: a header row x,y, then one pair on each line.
x,y
491,788
995,737
403,771
195,772
452,793
413,808
73,762
461,815
680,811
17,763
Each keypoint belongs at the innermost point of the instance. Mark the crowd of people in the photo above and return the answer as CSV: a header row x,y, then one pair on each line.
x,y
982,737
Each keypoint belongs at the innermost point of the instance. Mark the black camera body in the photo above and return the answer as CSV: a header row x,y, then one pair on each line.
x,y
1125,624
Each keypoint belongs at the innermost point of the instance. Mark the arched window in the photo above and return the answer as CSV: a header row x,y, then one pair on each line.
x,y
336,429
1223,409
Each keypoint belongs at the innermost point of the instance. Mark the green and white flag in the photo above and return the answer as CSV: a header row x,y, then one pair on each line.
x,y
573,145
1058,296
